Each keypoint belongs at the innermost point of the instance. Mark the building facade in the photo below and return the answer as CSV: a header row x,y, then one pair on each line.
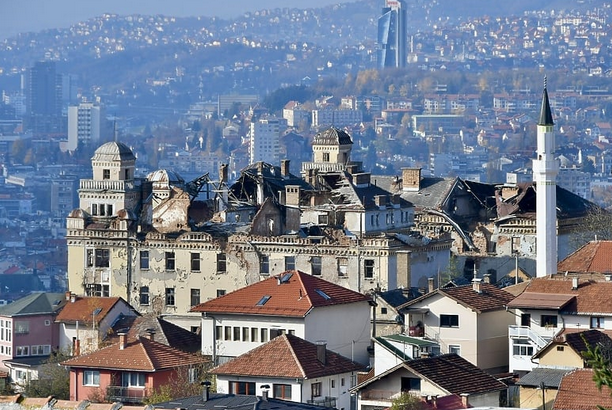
x,y
392,35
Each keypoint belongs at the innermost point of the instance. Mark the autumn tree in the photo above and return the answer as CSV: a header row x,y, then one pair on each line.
x,y
53,379
407,401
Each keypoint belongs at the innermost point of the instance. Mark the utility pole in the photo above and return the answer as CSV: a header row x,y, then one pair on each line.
x,y
543,396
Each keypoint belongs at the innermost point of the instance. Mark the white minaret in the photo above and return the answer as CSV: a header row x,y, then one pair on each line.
x,y
545,170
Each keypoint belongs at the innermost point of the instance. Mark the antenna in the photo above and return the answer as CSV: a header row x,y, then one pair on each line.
x,y
545,82
115,128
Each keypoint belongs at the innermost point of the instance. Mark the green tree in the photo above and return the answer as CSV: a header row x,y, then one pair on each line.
x,y
407,401
53,379
598,358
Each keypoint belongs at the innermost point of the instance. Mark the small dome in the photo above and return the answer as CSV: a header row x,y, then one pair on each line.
x,y
114,151
332,136
78,213
164,175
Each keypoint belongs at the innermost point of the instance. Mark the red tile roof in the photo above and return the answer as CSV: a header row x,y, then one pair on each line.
x,y
490,298
594,257
138,354
83,307
578,391
287,356
591,296
293,293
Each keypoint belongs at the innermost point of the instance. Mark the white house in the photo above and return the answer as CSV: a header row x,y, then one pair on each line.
x,y
294,303
391,350
293,369
469,320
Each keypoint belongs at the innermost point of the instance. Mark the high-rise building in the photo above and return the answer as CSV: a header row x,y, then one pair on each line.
x,y
265,140
83,124
43,88
392,35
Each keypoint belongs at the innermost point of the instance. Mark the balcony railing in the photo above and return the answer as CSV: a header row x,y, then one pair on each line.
x,y
327,401
126,394
374,394
525,332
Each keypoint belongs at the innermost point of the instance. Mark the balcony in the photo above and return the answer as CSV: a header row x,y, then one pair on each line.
x,y
126,394
525,332
383,395
327,401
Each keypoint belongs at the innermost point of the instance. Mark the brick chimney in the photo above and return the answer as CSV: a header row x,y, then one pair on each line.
x,y
411,179
477,285
292,195
284,168
122,340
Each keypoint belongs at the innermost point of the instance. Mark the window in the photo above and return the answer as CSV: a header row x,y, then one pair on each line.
x,y
144,295
220,292
264,264
227,333
289,262
132,379
221,262
245,334
597,322
383,310
548,321
282,391
90,258
218,333
264,335
333,383
254,334
342,266
247,388
91,378
102,258
368,268
170,261
144,260
456,349
170,297
195,297
315,265
326,157
236,334
315,389
195,262
521,348
449,320
526,320
22,327
106,174
98,290
410,383
94,209
40,350
22,351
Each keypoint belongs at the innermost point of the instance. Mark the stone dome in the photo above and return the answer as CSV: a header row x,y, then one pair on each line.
x,y
166,176
78,213
114,151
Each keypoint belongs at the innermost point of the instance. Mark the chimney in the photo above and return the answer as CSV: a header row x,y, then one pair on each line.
x,y
411,179
430,285
223,173
321,347
362,180
380,200
465,400
151,334
122,340
264,392
486,278
72,297
68,296
205,390
285,168
292,195
77,347
575,283
476,285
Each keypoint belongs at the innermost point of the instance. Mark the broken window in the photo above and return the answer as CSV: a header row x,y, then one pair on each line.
x,y
106,174
195,262
195,297
342,266
315,265
144,295
97,290
264,264
221,262
368,268
326,157
144,259
90,258
170,299
220,292
170,261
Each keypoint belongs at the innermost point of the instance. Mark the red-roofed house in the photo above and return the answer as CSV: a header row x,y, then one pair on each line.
x,y
127,371
469,320
85,321
294,303
294,369
578,391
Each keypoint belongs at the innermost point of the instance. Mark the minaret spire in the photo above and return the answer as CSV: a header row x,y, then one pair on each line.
x,y
545,170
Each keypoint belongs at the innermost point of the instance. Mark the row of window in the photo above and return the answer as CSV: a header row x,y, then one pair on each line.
x,y
248,334
389,218
315,266
6,331
34,350
194,261
170,296
128,379
102,209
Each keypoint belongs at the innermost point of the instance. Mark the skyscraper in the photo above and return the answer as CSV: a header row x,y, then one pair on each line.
x,y
43,98
392,35
83,124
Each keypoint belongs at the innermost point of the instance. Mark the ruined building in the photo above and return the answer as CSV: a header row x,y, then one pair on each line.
x,y
165,244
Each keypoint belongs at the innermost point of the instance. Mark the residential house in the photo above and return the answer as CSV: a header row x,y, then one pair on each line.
x,y
433,378
29,334
295,303
388,320
129,371
296,370
86,321
469,320
578,391
555,305
391,350
539,387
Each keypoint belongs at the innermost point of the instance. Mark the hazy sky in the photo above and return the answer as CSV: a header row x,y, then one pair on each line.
x,y
17,16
